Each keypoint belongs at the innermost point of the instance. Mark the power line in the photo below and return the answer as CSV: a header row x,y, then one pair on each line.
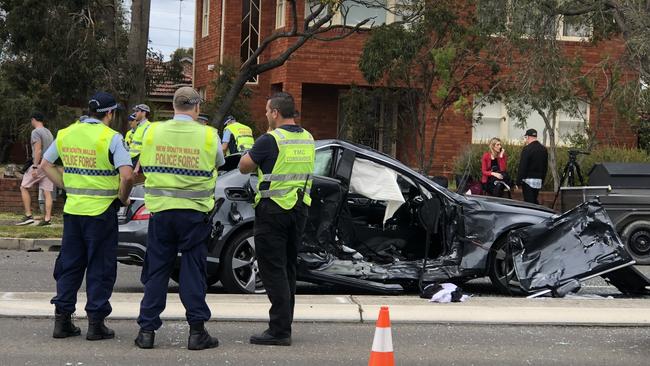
x,y
172,29
164,45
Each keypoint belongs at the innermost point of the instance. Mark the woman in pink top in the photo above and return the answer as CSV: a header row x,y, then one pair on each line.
x,y
493,168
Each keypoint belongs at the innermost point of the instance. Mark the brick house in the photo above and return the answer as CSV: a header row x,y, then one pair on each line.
x,y
161,95
319,73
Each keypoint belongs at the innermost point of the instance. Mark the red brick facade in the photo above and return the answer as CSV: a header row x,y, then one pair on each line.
x,y
10,200
317,72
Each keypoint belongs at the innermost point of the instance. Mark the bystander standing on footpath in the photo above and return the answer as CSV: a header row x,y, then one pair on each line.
x,y
40,140
533,165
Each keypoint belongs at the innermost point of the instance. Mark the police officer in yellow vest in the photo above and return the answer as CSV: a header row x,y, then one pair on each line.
x,y
237,137
133,124
142,114
97,171
284,160
179,159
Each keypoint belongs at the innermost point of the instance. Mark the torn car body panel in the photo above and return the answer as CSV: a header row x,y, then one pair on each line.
x,y
569,247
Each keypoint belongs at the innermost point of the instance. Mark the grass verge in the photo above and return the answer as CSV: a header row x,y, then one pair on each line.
x,y
30,232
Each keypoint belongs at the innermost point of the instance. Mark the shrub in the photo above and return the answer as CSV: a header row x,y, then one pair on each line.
x,y
470,160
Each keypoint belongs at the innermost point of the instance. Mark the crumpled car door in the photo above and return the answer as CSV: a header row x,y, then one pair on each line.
x,y
327,197
573,246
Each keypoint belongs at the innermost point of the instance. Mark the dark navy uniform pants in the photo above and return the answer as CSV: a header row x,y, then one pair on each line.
x,y
278,234
171,232
89,245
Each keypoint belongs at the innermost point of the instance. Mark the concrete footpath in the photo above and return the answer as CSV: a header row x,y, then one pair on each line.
x,y
45,245
355,309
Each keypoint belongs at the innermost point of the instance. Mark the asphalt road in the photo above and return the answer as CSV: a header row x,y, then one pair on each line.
x,y
333,344
32,272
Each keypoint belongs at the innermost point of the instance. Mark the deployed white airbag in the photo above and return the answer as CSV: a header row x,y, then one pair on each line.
x,y
378,183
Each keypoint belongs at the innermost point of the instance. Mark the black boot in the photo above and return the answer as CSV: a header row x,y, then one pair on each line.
x,y
200,338
267,339
97,330
145,338
63,326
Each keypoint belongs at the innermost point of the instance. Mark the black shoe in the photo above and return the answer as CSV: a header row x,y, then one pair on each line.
x,y
26,220
269,340
200,338
97,330
145,339
63,326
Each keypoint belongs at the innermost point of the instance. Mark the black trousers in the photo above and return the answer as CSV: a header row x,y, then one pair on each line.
x,y
171,232
89,246
530,194
278,234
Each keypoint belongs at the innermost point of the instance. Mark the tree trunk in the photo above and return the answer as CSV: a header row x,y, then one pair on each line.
x,y
229,99
137,49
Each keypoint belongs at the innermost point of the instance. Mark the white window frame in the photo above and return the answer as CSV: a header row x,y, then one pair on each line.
x,y
506,121
559,27
337,19
562,37
203,93
280,14
205,18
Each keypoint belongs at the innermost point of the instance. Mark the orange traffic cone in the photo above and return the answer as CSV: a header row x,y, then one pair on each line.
x,y
382,345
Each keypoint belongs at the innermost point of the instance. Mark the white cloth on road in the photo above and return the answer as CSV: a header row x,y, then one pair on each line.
x,y
447,293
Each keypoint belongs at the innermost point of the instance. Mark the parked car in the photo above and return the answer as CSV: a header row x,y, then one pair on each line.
x,y
374,224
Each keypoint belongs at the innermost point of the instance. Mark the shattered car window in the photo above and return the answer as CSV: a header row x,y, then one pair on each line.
x,y
323,162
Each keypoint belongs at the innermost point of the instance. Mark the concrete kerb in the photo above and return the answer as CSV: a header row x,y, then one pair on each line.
x,y
349,309
46,245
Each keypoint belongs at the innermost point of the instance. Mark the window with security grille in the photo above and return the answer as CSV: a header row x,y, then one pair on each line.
x,y
250,31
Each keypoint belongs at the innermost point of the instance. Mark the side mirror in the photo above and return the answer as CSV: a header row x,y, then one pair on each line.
x,y
238,194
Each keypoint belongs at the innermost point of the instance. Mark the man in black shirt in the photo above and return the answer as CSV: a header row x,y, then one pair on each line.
x,y
284,158
533,165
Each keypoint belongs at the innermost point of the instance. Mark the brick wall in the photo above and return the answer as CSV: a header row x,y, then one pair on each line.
x,y
10,200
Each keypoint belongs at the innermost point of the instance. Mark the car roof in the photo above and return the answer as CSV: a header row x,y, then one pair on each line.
x,y
366,150
383,157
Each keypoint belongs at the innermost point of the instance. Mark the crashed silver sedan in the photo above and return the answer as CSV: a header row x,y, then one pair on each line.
x,y
377,225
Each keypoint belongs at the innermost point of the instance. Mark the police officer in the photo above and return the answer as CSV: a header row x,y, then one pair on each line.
x,y
204,119
133,124
179,159
142,114
237,137
97,171
284,160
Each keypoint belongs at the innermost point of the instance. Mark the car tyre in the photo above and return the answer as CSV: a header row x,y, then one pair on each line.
x,y
239,270
636,237
501,269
